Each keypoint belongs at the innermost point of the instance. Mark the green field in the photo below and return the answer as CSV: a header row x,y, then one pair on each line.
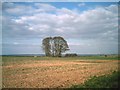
x,y
9,59
104,81
97,57
21,58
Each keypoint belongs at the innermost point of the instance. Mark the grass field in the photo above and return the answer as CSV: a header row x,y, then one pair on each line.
x,y
52,72
108,81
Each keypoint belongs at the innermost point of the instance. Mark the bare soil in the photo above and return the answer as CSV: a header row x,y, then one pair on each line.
x,y
54,73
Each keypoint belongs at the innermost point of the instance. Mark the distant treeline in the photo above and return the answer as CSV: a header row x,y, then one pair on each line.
x,y
25,55
68,54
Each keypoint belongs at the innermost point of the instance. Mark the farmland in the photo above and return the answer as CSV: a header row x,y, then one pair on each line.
x,y
53,72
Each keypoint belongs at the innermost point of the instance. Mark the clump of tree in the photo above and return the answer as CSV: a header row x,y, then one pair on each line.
x,y
71,55
54,46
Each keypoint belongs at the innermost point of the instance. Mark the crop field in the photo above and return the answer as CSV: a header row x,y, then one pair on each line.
x,y
46,72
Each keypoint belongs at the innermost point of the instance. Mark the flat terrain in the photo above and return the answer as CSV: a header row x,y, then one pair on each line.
x,y
43,73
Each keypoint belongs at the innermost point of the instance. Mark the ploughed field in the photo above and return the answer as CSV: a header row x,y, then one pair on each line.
x,y
52,73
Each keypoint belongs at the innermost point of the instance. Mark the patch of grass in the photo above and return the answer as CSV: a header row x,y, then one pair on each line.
x,y
110,57
105,81
19,59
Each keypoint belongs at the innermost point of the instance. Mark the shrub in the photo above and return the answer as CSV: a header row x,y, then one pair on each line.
x,y
70,55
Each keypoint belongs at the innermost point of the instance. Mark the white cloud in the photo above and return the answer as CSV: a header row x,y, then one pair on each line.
x,y
113,8
14,9
98,24
81,4
79,44
15,43
89,24
44,7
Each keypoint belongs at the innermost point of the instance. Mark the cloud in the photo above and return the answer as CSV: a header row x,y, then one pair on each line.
x,y
81,4
22,9
16,9
15,43
44,7
42,20
96,23
113,8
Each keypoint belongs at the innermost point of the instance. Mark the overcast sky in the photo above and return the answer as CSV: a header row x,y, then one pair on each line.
x,y
88,28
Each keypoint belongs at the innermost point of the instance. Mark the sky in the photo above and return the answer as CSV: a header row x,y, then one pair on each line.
x,y
88,27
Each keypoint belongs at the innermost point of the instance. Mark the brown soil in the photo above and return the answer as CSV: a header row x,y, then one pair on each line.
x,y
54,74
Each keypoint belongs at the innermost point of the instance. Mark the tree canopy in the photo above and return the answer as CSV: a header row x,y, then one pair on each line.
x,y
54,46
